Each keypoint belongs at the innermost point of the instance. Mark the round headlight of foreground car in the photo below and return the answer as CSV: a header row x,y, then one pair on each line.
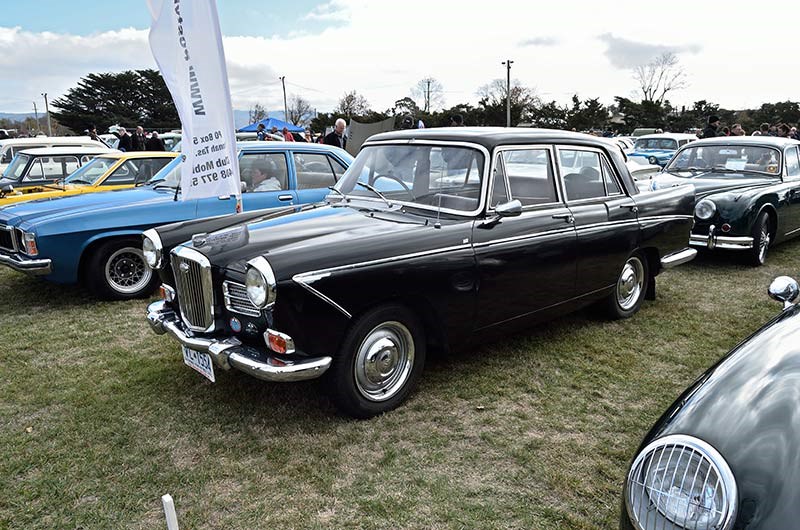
x,y
684,480
705,209
260,283
152,249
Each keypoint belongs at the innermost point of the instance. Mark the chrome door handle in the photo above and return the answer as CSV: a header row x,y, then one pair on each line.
x,y
285,197
565,216
632,207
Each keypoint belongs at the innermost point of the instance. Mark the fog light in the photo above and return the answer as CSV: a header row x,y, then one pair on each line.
x,y
726,227
279,342
166,292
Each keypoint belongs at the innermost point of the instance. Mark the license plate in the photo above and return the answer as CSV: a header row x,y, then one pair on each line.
x,y
199,361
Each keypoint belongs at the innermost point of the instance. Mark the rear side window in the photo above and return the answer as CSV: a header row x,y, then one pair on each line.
x,y
313,170
583,175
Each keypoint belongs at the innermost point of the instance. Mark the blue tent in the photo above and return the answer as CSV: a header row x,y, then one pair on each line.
x,y
269,123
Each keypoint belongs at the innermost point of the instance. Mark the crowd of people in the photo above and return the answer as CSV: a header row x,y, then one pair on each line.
x,y
138,141
782,130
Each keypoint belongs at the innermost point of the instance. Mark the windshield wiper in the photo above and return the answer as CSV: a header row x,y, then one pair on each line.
x,y
159,186
371,188
332,188
725,170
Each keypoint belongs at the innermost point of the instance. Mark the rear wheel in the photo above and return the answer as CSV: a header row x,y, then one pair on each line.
x,y
379,363
629,291
116,270
761,238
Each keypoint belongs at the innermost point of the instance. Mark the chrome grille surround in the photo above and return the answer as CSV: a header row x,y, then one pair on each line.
x,y
237,301
7,240
645,503
194,287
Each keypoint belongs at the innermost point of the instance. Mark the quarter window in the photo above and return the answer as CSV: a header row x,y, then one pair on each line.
x,y
612,188
583,177
792,163
530,175
313,170
264,172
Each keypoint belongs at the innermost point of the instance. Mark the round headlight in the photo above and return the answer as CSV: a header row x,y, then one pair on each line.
x,y
684,480
260,283
152,249
705,209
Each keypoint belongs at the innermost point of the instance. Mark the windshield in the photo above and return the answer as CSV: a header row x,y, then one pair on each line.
x,y
429,176
169,176
16,168
656,143
727,159
90,172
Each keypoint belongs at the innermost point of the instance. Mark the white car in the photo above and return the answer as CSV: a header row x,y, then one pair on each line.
x,y
11,146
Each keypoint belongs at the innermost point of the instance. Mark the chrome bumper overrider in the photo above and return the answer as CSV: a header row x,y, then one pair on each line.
x,y
231,353
678,258
712,241
34,267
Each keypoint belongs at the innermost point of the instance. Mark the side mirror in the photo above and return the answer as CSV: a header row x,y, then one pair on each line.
x,y
509,209
784,289
8,189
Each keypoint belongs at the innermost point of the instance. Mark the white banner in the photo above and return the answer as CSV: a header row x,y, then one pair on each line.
x,y
187,45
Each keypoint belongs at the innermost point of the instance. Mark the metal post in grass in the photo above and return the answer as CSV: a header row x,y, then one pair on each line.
x,y
169,512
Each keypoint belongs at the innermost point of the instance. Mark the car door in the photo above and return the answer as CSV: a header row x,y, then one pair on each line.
x,y
789,220
314,173
49,169
526,263
266,180
605,217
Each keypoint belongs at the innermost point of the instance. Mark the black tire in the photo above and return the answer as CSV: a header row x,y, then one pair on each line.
x,y
757,255
630,288
379,364
116,270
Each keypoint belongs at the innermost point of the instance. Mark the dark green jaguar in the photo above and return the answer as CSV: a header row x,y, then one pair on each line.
x,y
748,191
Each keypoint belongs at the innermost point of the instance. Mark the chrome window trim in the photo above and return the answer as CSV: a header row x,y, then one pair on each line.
x,y
526,147
207,286
487,162
601,155
227,296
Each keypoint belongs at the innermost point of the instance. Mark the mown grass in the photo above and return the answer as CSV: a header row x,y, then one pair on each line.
x,y
99,418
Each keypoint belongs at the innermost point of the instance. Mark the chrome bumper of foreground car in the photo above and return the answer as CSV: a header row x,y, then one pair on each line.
x,y
712,241
34,267
678,258
230,353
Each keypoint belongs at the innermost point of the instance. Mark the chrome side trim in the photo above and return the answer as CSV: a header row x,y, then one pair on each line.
x,y
230,353
296,278
525,237
792,232
678,258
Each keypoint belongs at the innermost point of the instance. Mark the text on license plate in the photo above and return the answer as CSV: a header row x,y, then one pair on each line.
x,y
199,361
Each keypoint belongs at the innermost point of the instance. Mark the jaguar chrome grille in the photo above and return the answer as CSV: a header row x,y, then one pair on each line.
x,y
194,288
7,240
237,301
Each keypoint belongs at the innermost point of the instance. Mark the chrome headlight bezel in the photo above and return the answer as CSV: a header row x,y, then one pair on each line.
x,y
260,283
642,481
705,209
152,249
27,243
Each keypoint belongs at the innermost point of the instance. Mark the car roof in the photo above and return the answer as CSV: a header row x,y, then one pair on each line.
x,y
138,154
674,136
282,146
77,150
50,140
772,141
491,137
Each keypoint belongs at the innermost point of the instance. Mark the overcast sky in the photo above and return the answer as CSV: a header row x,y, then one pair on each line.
x,y
732,52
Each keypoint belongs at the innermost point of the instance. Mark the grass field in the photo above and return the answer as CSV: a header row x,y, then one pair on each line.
x,y
99,418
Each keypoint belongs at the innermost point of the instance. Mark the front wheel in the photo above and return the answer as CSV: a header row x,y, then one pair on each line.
x,y
629,291
758,254
116,270
379,363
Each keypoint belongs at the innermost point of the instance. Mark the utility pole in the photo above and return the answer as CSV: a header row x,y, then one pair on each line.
x,y
36,114
285,108
508,63
47,111
428,96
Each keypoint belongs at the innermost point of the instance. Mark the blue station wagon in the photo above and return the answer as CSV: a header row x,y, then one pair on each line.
x,y
95,239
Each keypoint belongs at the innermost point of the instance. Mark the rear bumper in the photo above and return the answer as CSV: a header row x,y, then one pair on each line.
x,y
231,353
712,241
18,262
678,258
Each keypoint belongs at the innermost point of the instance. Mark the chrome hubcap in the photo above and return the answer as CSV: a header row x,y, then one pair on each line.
x,y
630,283
384,361
126,271
763,243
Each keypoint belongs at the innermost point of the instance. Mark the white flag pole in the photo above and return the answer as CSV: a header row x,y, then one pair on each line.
x,y
186,42
169,512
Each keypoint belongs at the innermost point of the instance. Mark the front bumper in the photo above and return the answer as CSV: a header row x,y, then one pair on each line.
x,y
712,241
34,267
231,353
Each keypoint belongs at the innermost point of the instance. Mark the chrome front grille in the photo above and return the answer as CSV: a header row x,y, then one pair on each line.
x,y
7,239
194,287
237,301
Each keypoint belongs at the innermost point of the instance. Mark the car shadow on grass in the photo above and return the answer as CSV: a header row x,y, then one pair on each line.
x,y
23,292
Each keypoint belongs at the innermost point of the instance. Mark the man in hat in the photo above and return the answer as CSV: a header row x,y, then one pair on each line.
x,y
713,126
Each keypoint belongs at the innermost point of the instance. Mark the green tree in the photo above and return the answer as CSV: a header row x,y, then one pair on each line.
x,y
548,115
130,98
586,115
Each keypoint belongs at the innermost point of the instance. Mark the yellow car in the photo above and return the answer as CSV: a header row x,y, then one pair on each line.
x,y
105,172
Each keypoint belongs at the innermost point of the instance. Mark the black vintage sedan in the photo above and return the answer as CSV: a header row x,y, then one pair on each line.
x,y
748,191
726,454
433,238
